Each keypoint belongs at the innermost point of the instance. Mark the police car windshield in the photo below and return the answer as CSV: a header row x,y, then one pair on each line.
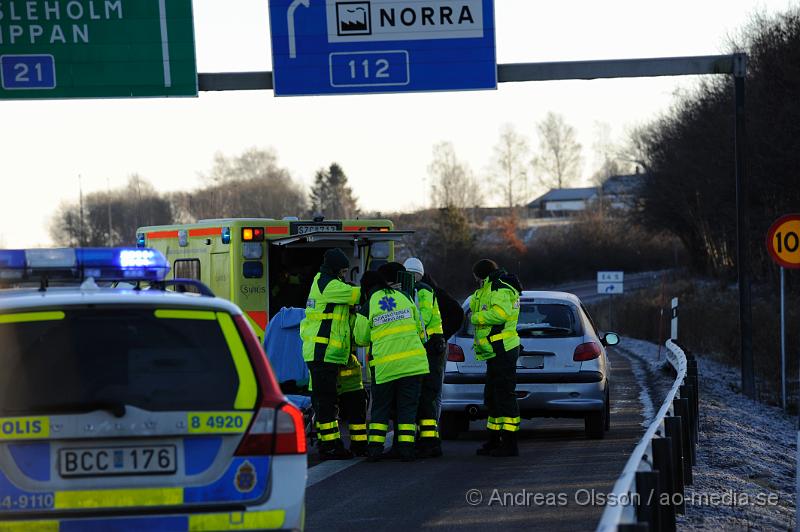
x,y
114,356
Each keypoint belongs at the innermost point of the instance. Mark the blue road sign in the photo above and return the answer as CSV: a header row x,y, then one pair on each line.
x,y
27,72
373,46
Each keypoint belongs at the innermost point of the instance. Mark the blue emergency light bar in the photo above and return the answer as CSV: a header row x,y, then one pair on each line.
x,y
78,264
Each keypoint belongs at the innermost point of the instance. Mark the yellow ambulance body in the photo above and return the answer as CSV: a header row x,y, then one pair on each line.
x,y
263,264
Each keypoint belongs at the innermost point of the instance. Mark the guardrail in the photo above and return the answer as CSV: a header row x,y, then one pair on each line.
x,y
650,491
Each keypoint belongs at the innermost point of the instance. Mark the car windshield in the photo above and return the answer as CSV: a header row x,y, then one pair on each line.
x,y
541,320
109,358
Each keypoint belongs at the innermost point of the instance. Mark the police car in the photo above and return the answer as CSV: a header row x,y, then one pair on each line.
x,y
128,405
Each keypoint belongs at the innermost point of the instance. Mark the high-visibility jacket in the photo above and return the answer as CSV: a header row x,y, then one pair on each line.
x,y
495,312
350,378
392,328
326,328
429,312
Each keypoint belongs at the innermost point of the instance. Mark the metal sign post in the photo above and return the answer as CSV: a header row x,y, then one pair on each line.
x,y
783,337
673,334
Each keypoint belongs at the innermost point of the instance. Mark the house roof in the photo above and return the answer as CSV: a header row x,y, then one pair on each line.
x,y
565,194
623,184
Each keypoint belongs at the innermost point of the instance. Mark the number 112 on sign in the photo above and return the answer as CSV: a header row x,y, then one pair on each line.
x,y
365,69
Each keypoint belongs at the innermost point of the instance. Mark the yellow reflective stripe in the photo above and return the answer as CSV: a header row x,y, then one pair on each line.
x,y
396,356
510,428
28,526
405,438
325,316
507,420
493,426
406,426
248,389
378,426
67,500
332,436
322,340
350,372
358,437
427,422
437,329
237,521
393,330
481,319
377,438
356,294
502,336
357,427
218,422
425,304
492,419
172,314
326,426
500,311
24,428
23,317
429,434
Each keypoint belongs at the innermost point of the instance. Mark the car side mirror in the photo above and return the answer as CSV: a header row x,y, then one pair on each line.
x,y
611,339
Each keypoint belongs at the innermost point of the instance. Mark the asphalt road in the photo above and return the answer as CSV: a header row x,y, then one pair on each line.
x,y
557,465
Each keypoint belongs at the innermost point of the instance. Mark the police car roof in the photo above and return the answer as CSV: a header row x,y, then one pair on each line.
x,y
28,298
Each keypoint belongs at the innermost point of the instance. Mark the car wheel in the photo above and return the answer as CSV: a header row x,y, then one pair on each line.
x,y
451,424
595,424
608,411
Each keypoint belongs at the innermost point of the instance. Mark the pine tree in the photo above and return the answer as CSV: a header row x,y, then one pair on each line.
x,y
331,195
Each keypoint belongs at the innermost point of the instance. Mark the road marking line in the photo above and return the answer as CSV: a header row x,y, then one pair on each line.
x,y
326,470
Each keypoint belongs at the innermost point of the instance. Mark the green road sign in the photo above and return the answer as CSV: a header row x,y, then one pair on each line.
x,y
96,49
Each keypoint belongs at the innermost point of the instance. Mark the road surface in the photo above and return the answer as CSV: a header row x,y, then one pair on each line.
x,y
556,461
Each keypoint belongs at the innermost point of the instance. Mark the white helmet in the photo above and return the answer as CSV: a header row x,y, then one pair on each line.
x,y
414,265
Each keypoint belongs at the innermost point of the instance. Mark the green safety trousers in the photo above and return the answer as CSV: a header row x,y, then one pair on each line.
x,y
499,392
431,394
403,394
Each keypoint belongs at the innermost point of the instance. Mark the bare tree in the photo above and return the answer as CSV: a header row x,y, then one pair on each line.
x,y
559,160
635,151
453,184
607,160
250,184
509,167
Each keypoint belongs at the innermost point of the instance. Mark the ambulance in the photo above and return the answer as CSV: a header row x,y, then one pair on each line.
x,y
262,264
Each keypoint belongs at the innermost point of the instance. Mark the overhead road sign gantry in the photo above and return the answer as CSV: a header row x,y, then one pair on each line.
x,y
375,46
96,49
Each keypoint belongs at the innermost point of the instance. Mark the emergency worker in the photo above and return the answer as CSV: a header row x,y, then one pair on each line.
x,y
429,445
353,400
389,323
495,311
326,332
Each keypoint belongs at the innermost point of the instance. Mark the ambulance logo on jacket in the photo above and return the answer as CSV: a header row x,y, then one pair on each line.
x,y
387,303
246,477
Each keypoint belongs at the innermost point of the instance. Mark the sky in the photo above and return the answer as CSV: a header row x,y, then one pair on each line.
x,y
383,142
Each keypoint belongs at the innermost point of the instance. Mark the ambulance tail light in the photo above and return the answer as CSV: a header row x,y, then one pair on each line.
x,y
252,234
226,235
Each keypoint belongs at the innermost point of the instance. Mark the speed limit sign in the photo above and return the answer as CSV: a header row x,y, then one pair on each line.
x,y
783,241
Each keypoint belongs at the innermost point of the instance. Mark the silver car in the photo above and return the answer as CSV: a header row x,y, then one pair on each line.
x,y
562,371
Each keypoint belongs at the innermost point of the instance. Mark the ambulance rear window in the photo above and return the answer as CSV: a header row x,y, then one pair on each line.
x,y
58,361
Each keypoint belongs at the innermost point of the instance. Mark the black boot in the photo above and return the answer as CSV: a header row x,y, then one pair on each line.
x,y
334,451
508,445
358,448
429,448
491,445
